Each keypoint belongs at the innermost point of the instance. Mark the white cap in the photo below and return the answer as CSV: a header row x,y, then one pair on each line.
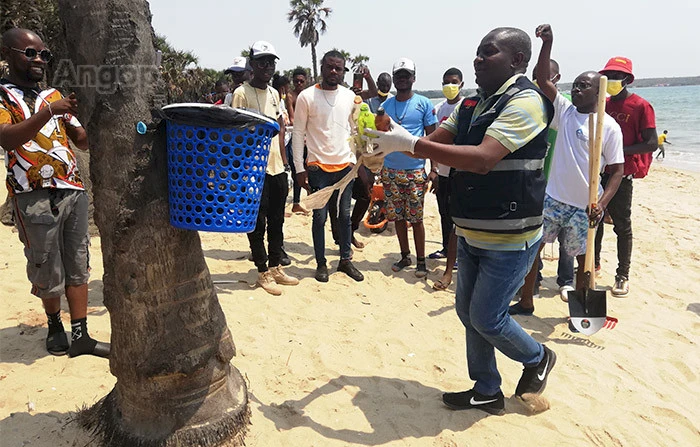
x,y
239,64
404,64
262,48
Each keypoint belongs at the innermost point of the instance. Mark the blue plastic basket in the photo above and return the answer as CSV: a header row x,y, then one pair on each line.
x,y
216,175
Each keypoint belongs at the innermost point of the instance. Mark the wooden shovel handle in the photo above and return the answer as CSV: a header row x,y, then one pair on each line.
x,y
595,145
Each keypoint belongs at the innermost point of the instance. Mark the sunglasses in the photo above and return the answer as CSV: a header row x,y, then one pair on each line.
x,y
31,53
262,63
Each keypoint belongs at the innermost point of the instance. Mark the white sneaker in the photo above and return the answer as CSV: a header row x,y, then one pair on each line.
x,y
564,293
621,287
282,278
267,281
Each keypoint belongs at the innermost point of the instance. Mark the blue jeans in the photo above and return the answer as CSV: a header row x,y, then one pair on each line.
x,y
319,179
487,281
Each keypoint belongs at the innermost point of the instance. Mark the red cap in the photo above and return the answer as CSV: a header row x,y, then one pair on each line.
x,y
619,63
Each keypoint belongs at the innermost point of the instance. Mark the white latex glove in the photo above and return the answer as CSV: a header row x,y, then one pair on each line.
x,y
397,139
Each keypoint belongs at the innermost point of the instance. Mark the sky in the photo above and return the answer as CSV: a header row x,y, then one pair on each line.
x,y
660,37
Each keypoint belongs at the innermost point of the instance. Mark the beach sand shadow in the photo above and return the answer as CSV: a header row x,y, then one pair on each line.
x,y
694,307
394,409
25,343
52,429
555,330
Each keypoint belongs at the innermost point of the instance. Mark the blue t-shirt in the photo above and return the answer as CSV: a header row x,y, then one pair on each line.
x,y
414,115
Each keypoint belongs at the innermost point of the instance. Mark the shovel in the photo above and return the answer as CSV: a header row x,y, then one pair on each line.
x,y
587,306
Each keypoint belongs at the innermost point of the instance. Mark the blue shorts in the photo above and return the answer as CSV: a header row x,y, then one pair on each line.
x,y
568,220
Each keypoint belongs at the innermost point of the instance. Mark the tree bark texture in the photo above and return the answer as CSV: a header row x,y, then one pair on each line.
x,y
313,61
171,348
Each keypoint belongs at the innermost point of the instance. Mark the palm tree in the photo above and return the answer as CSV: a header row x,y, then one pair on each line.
x,y
171,347
308,18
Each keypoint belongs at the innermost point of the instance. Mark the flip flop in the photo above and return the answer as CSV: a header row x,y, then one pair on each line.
x,y
57,344
439,285
437,255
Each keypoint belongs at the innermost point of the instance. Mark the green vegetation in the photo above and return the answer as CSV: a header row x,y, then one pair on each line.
x,y
186,81
308,17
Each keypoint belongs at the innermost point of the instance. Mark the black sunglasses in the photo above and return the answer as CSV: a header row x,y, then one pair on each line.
x,y
31,53
262,63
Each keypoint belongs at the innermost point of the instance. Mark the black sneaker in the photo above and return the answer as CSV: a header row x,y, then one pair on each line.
x,y
467,400
322,273
346,267
284,260
534,378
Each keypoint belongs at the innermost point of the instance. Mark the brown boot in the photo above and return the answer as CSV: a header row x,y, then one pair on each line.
x,y
282,278
267,281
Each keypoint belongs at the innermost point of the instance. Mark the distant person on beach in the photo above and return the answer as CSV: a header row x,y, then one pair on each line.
x,y
383,87
48,196
239,72
663,139
298,85
323,121
452,84
566,216
221,90
256,94
281,84
404,178
638,123
496,143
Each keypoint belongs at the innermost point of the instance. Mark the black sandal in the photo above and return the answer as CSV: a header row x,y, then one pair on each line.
x,y
403,263
421,268
57,343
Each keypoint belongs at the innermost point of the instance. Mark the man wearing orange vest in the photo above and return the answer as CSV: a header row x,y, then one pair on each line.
x,y
48,197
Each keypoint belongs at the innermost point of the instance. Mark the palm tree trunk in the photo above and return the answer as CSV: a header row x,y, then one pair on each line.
x,y
313,61
171,347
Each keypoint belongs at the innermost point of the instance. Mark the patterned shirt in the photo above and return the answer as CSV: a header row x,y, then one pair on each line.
x,y
46,161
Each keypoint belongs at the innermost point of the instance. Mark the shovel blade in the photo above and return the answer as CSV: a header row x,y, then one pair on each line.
x,y
588,310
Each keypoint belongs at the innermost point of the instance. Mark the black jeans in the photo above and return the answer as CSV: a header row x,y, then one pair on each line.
x,y
443,200
620,209
270,215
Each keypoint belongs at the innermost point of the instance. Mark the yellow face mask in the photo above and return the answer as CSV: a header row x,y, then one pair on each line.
x,y
451,91
382,94
614,87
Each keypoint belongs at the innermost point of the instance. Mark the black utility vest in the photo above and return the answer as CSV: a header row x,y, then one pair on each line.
x,y
509,199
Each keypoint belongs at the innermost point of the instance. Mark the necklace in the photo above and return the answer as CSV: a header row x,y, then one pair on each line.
x,y
326,98
405,111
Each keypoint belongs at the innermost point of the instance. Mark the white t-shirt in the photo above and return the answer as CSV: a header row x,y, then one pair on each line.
x,y
442,112
568,179
324,117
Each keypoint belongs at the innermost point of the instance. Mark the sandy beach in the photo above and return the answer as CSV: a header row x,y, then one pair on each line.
x,y
347,363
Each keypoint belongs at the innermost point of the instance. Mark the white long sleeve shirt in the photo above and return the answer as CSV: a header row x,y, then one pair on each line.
x,y
323,120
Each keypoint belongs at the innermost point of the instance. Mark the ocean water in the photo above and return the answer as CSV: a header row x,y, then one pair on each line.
x,y
678,111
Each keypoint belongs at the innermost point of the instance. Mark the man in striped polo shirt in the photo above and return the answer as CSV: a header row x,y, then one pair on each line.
x,y
495,143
